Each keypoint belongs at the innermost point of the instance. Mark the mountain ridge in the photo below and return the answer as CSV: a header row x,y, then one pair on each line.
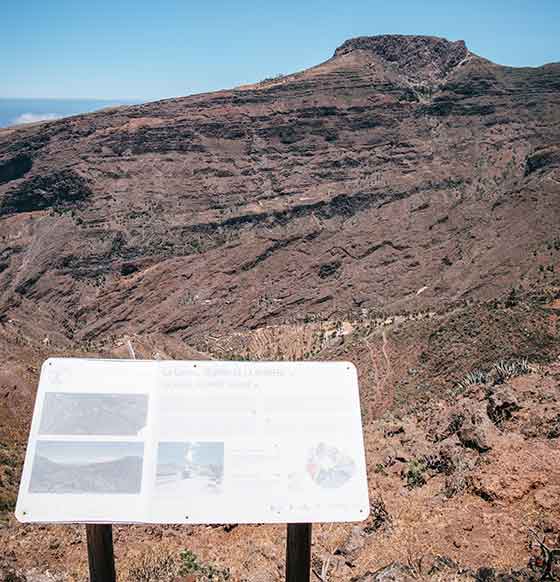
x,y
289,165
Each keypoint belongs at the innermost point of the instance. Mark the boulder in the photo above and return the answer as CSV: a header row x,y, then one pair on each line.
x,y
502,403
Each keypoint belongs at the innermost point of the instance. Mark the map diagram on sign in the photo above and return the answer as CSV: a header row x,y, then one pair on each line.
x,y
329,467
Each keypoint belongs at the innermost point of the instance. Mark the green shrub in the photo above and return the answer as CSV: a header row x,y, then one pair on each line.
x,y
415,473
206,572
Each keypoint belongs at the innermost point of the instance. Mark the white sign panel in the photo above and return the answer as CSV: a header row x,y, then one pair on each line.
x,y
195,442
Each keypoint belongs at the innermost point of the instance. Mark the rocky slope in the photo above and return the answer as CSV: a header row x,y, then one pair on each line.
x,y
403,173
397,206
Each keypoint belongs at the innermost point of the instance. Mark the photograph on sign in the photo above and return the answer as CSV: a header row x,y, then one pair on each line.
x,y
190,468
195,442
86,467
93,414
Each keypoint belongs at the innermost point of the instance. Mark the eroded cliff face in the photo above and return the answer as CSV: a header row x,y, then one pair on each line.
x,y
403,173
424,59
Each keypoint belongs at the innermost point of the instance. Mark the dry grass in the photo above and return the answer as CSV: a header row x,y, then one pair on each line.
x,y
156,565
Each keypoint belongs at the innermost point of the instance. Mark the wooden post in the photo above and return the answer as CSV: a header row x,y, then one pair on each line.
x,y
298,552
100,553
101,556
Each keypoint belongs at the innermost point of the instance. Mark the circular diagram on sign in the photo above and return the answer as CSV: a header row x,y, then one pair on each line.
x,y
329,467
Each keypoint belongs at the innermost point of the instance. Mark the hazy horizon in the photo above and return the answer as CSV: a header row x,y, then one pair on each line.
x,y
24,110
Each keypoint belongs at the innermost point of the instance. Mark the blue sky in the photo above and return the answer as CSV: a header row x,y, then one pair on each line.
x,y
150,49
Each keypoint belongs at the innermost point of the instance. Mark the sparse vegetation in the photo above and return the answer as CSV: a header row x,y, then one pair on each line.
x,y
504,371
499,373
270,79
190,564
379,516
7,501
9,477
550,556
154,566
164,565
474,378
415,473
379,468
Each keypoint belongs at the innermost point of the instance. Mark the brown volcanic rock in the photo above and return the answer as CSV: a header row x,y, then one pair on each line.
x,y
401,174
420,58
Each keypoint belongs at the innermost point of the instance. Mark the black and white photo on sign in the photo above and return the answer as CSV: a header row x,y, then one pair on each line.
x,y
93,414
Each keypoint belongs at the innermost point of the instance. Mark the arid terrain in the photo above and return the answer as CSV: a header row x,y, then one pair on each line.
x,y
397,206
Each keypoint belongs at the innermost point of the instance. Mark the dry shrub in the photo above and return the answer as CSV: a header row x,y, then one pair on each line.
x,y
379,516
155,565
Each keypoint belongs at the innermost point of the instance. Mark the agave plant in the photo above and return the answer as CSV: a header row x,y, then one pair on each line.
x,y
505,370
473,378
499,373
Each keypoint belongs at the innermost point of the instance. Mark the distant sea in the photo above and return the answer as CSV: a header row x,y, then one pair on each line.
x,y
15,111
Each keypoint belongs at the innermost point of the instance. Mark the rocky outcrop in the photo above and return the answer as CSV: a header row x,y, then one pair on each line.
x,y
14,168
419,58
58,190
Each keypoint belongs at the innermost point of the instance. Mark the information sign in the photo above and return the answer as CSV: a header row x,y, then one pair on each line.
x,y
194,442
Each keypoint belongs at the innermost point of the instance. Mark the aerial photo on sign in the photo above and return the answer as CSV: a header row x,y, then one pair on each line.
x,y
93,414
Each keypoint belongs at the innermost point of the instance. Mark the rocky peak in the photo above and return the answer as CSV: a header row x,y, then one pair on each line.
x,y
422,58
